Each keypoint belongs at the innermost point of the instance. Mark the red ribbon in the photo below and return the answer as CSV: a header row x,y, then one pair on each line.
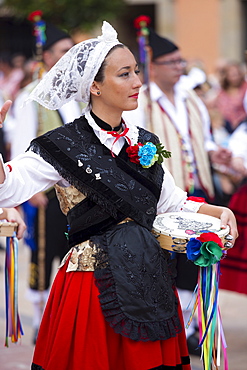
x,y
196,199
118,136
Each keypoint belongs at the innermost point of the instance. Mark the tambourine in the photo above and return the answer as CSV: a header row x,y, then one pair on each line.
x,y
8,228
174,230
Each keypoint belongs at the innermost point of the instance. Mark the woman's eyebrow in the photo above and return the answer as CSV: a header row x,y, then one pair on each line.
x,y
127,67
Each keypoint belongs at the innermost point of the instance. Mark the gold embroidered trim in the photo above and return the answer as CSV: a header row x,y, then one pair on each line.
x,y
81,257
68,197
125,220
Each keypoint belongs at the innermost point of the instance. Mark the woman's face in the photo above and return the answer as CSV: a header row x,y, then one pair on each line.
x,y
234,76
120,87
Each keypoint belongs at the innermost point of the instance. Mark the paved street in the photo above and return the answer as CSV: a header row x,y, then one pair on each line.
x,y
18,356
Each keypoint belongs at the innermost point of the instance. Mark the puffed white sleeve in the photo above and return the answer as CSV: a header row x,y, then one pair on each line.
x,y
238,142
26,175
173,198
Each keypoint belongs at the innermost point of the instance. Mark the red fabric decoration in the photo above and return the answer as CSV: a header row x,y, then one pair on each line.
x,y
9,167
210,237
142,21
34,16
132,151
197,199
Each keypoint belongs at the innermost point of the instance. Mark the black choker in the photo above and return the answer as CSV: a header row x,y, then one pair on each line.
x,y
105,125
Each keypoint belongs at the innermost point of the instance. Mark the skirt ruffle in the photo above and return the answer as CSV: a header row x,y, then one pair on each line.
x,y
74,334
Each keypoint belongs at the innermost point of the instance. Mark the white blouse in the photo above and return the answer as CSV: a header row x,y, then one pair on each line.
x,y
238,142
28,174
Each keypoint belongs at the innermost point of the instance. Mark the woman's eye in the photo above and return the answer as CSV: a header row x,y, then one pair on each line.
x,y
125,74
137,72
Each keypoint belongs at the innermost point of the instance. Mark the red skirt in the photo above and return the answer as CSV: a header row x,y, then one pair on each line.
x,y
234,266
74,334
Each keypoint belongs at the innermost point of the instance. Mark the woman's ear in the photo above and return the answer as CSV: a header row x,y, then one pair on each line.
x,y
94,90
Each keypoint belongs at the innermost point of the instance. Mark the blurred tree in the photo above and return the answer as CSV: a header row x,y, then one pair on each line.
x,y
71,15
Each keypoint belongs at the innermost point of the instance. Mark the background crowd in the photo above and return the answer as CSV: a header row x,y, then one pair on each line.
x,y
196,108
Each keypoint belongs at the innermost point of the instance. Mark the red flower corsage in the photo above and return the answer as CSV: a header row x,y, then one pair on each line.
x,y
132,151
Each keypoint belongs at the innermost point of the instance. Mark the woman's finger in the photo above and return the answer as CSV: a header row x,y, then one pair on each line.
x,y
4,110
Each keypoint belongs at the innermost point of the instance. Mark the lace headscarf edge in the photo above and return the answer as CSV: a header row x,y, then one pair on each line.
x,y
72,76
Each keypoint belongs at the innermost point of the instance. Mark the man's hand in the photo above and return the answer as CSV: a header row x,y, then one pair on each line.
x,y
220,156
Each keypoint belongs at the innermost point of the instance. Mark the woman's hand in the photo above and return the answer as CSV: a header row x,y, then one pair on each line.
x,y
4,111
226,216
12,215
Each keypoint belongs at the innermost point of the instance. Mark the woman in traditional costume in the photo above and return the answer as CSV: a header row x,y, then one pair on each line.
x,y
113,304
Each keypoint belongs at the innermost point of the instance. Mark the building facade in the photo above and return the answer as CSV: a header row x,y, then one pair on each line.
x,y
208,30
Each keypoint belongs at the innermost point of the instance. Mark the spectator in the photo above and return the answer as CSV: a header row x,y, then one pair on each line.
x,y
10,76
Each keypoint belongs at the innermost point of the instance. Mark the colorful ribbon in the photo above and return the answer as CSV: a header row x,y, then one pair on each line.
x,y
211,332
141,24
39,31
13,322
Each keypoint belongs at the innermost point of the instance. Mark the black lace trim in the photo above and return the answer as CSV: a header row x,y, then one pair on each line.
x,y
185,360
36,367
176,367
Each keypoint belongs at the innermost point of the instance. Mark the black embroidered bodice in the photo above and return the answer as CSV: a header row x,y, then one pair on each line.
x,y
115,187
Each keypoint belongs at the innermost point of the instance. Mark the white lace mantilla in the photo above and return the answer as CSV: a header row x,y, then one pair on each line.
x,y
72,76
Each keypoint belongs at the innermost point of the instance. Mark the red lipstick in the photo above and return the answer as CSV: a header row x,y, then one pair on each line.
x,y
134,96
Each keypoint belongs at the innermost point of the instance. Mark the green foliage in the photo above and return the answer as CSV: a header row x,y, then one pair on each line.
x,y
162,153
69,14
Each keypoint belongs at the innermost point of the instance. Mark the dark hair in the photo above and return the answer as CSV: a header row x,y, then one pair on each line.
x,y
101,72
6,58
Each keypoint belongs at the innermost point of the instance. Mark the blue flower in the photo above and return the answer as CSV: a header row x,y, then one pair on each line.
x,y
147,154
193,249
